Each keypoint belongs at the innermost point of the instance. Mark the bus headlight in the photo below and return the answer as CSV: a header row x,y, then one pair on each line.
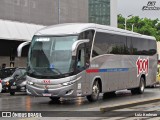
x,y
71,82
68,83
30,83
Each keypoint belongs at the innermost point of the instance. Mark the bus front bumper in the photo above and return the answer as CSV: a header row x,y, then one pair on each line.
x,y
63,91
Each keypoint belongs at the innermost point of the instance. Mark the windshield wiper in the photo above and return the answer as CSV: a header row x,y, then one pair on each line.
x,y
31,71
39,72
55,70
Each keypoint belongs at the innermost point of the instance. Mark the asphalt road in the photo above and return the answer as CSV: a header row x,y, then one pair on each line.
x,y
22,102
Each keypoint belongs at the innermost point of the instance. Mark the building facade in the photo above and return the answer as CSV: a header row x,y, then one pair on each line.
x,y
103,12
48,12
35,14
44,12
99,11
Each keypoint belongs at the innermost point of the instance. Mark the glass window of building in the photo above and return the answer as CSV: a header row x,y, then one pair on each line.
x,y
99,11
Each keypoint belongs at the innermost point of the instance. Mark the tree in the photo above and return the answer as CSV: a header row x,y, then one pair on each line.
x,y
141,25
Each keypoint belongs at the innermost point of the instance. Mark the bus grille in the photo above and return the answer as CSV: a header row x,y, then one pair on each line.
x,y
49,86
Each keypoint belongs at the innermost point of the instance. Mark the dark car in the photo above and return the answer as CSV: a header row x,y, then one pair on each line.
x,y
16,82
6,72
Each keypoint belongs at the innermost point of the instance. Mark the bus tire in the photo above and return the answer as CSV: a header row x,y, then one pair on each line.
x,y
54,98
95,92
141,87
12,93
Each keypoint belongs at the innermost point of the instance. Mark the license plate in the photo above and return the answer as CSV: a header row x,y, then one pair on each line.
x,y
46,94
13,87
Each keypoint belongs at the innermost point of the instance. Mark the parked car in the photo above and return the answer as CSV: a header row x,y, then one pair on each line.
x,y
158,77
6,72
158,74
16,82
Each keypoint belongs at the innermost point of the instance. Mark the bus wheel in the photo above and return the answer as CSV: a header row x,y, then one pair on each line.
x,y
54,98
141,87
95,92
12,93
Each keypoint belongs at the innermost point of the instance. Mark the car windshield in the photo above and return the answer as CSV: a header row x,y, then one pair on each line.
x,y
50,56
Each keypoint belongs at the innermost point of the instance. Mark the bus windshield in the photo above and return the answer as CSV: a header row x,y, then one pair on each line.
x,y
51,56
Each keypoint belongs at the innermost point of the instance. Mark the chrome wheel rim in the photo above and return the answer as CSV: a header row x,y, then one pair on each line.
x,y
142,85
95,91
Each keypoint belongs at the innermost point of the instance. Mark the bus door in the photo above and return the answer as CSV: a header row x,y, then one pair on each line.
x,y
82,63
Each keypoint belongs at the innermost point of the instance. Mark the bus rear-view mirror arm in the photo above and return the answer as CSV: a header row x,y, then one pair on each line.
x,y
76,44
20,47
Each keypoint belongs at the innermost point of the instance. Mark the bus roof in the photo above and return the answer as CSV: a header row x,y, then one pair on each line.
x,y
76,28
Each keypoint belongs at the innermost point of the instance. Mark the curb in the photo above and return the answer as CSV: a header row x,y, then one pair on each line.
x,y
121,106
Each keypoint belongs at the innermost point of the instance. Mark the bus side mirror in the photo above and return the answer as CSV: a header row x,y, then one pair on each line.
x,y
20,47
76,44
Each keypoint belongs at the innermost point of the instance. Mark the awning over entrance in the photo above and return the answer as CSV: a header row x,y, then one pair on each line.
x,y
11,30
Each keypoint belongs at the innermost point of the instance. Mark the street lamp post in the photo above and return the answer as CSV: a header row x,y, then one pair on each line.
x,y
132,27
126,21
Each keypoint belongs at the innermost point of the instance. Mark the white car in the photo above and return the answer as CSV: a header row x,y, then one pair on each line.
x,y
0,86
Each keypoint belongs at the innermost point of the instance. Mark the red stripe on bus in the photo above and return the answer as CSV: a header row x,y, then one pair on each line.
x,y
92,70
